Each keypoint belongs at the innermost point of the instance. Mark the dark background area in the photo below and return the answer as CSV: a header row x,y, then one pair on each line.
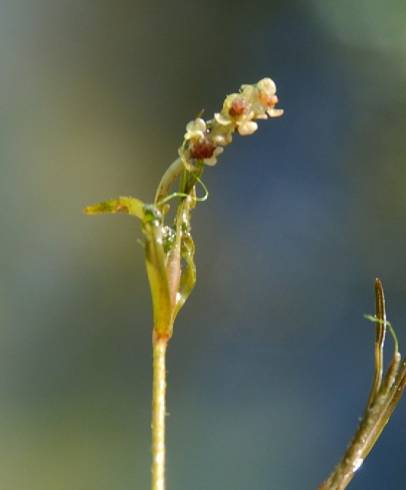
x,y
271,361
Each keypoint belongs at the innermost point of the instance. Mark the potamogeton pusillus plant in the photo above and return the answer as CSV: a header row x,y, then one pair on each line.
x,y
169,246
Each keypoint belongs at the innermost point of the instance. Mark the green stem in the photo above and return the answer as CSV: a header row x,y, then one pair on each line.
x,y
159,346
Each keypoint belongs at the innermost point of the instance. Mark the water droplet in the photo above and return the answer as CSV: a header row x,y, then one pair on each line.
x,y
357,463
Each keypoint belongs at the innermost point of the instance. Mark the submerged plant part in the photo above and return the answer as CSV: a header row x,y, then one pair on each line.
x,y
385,394
169,248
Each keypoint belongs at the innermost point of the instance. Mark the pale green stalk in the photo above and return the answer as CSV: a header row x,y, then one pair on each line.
x,y
159,346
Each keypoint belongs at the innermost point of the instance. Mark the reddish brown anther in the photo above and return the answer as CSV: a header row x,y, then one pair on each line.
x,y
268,100
202,150
237,108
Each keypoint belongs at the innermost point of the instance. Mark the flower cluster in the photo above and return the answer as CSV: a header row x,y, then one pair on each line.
x,y
205,140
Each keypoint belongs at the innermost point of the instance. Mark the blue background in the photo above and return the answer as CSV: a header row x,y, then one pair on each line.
x,y
271,361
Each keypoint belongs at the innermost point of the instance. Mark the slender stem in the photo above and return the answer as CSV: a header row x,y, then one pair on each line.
x,y
371,427
380,313
159,346
384,396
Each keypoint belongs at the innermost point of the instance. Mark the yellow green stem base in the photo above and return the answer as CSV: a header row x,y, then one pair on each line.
x,y
159,346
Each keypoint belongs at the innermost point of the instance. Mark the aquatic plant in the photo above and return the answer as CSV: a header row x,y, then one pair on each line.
x,y
171,270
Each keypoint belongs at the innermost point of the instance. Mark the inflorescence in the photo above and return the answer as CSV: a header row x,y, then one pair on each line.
x,y
204,140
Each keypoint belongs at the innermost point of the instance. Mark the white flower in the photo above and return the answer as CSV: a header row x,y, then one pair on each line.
x,y
222,119
267,98
247,127
267,85
238,113
275,112
195,129
248,91
213,159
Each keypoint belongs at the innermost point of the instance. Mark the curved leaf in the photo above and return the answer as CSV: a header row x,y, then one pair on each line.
x,y
121,205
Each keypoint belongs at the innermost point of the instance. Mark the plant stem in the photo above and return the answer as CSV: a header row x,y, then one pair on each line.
x,y
380,313
383,399
371,427
159,346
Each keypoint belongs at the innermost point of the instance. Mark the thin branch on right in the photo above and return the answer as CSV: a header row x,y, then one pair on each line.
x,y
386,391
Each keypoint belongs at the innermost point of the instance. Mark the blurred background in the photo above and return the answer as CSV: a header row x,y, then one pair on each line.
x,y
271,361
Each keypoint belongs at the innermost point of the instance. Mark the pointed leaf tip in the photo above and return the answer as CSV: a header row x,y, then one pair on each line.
x,y
121,205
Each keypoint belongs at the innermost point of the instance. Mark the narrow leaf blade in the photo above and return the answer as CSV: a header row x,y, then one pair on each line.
x,y
121,205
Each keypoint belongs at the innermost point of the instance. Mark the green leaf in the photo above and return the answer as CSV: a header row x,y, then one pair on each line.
x,y
121,205
188,277
158,279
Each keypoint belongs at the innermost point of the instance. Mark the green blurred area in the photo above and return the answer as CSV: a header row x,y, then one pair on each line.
x,y
270,363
